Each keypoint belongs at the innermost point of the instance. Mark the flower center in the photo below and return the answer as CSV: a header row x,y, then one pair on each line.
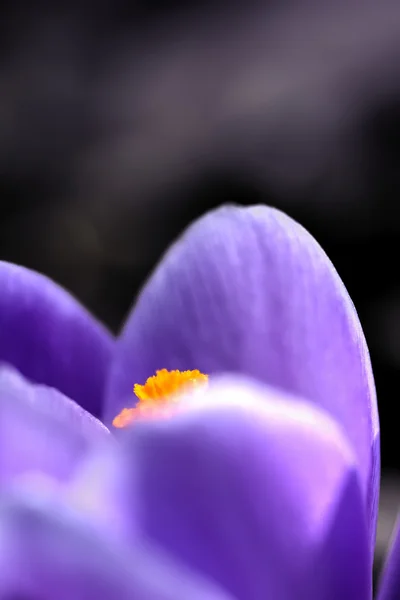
x,y
160,395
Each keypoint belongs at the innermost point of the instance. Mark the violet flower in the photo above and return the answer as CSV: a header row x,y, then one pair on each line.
x,y
265,485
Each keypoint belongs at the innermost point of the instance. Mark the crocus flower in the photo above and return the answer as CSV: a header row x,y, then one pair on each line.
x,y
265,484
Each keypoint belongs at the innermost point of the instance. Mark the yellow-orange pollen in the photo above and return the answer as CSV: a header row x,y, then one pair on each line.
x,y
160,395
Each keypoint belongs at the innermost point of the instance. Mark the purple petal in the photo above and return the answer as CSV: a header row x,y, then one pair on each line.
x,y
42,431
50,338
103,490
389,585
47,552
258,492
250,291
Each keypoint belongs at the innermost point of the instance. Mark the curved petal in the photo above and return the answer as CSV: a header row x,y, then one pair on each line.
x,y
50,338
248,290
257,491
47,552
389,585
42,431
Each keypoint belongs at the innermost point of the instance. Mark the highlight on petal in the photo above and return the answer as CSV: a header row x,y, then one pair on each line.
x,y
103,491
256,490
48,552
389,584
50,338
249,291
42,431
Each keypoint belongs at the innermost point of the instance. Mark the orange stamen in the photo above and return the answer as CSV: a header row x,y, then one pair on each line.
x,y
160,395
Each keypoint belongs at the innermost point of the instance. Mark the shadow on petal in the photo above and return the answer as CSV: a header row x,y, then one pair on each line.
x,y
48,552
50,338
42,431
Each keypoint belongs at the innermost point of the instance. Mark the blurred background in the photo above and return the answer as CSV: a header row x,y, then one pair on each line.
x,y
121,122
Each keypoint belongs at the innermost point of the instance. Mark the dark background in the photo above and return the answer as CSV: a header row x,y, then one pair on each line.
x,y
120,122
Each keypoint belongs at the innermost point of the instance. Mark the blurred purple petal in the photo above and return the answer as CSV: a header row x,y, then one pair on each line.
x,y
258,491
41,430
389,585
104,491
250,291
48,336
47,552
